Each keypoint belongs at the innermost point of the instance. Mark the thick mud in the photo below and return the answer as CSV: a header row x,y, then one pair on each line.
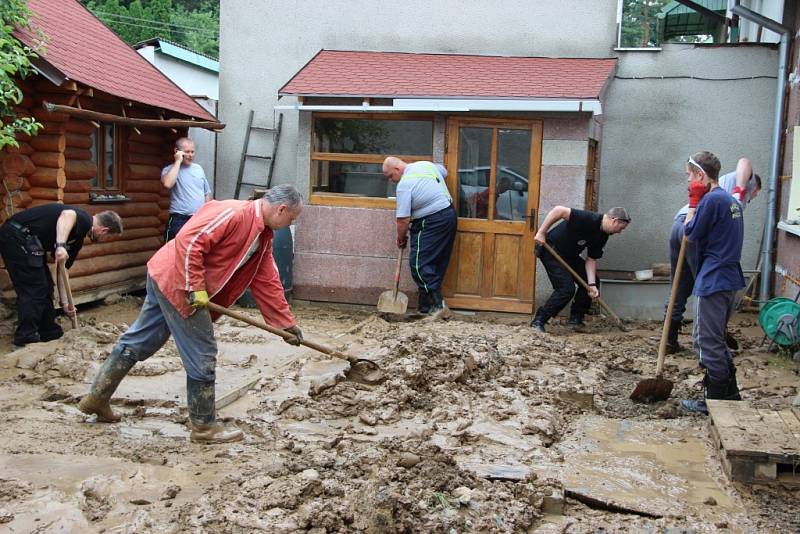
x,y
479,425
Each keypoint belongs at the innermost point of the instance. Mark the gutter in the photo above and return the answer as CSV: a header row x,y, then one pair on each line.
x,y
457,105
767,259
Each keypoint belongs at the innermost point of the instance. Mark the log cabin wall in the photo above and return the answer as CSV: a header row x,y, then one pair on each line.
x,y
58,165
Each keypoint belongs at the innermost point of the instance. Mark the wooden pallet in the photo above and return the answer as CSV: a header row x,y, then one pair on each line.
x,y
755,445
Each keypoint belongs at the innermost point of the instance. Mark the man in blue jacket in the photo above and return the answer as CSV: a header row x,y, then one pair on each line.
x,y
716,226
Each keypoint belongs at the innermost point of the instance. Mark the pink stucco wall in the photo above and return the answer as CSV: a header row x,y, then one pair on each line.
x,y
348,254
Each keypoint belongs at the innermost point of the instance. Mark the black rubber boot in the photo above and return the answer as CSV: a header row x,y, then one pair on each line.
x,y
575,319
539,320
732,391
424,305
731,342
201,397
111,373
673,346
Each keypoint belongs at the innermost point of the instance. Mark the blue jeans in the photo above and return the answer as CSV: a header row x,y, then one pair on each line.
x,y
686,285
158,318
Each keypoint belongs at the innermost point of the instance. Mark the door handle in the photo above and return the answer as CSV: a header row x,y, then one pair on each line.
x,y
532,220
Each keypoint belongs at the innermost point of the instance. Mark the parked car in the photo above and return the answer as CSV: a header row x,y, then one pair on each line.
x,y
512,204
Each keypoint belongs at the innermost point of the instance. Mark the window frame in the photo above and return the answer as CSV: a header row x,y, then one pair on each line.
x,y
355,201
119,131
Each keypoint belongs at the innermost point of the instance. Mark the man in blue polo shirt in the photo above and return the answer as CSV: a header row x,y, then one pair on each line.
x,y
717,230
187,184
425,208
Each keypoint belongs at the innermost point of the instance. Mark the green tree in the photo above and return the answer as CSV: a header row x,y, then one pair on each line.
x,y
15,59
191,23
640,26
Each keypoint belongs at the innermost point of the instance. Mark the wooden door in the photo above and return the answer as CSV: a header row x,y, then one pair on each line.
x,y
494,169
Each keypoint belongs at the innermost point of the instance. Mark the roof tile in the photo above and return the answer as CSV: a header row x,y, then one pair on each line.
x,y
399,74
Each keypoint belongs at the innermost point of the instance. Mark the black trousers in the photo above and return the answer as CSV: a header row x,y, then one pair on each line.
x,y
564,286
174,225
36,316
431,245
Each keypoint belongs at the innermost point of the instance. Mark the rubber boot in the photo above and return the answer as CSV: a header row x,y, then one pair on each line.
x,y
730,341
424,305
205,427
673,346
576,319
111,373
539,320
732,391
439,309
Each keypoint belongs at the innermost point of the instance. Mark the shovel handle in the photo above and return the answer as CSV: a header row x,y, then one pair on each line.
x,y
397,274
62,274
583,284
319,347
673,293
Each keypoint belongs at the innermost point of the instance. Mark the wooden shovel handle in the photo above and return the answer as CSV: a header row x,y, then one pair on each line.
x,y
583,284
673,293
62,274
397,274
278,332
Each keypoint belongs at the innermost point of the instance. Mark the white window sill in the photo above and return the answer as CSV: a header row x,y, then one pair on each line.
x,y
640,49
789,228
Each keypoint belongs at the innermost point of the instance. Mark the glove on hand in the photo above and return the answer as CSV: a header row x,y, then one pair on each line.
x,y
738,193
298,335
198,299
696,191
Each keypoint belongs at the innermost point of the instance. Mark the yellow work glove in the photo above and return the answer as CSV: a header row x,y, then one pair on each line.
x,y
198,299
298,335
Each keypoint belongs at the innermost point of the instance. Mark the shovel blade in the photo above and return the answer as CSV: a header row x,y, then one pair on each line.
x,y
652,390
391,303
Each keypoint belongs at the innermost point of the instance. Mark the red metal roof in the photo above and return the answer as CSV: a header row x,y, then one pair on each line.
x,y
397,74
87,51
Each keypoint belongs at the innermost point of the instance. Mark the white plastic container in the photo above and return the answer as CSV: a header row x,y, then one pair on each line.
x,y
646,274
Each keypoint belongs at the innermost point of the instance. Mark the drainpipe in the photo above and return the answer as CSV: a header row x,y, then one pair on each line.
x,y
772,193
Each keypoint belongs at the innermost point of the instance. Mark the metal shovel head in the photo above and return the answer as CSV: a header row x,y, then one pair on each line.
x,y
652,390
389,302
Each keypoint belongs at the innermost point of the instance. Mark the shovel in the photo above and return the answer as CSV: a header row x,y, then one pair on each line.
x,y
361,370
659,388
394,301
585,286
62,274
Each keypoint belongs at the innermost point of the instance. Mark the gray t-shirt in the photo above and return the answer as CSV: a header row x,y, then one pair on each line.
x,y
189,191
726,182
422,190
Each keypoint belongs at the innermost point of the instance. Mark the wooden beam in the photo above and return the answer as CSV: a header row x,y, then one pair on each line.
x,y
130,121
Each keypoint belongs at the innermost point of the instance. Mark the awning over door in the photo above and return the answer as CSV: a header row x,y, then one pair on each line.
x,y
395,81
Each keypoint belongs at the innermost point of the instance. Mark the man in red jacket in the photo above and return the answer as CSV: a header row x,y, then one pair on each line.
x,y
225,248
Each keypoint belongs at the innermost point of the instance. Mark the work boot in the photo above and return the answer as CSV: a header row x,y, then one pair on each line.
x,y
439,309
539,320
205,427
732,391
111,373
576,319
424,305
673,347
730,341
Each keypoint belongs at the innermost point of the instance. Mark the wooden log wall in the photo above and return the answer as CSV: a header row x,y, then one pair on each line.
x,y
57,166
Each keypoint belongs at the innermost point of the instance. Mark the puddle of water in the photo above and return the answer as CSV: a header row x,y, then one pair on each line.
x,y
654,466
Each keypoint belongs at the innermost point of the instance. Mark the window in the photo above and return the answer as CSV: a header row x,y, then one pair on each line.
x,y
643,24
347,153
106,154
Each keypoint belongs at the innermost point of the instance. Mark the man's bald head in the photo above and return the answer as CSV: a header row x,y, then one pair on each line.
x,y
393,168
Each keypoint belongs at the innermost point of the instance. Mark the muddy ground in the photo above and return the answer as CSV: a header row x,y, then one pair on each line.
x,y
480,426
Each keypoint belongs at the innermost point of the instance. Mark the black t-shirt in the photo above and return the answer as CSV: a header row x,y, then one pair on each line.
x,y
41,221
582,230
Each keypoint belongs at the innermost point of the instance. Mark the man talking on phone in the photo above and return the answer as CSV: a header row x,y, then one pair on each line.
x,y
188,187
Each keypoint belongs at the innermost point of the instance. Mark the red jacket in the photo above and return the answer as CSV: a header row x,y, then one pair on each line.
x,y
207,254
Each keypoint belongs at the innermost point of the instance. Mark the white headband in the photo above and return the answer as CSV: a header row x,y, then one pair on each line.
x,y
693,162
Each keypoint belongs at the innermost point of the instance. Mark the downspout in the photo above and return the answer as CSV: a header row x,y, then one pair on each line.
x,y
767,259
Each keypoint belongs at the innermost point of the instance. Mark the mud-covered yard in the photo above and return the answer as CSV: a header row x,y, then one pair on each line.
x,y
480,426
